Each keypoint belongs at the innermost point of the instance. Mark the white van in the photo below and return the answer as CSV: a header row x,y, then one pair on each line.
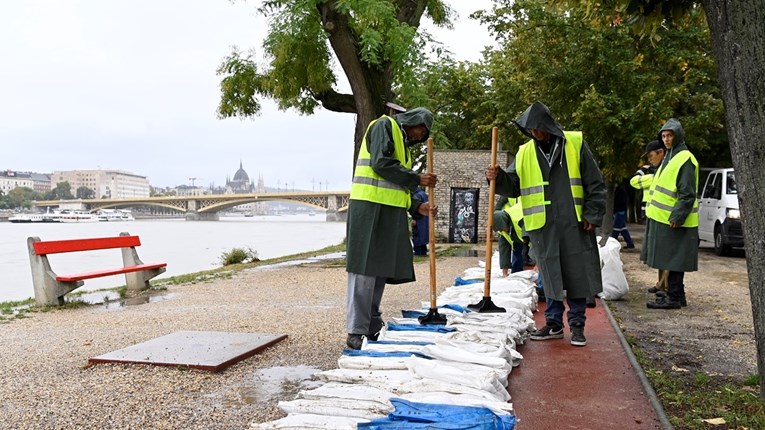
x,y
719,216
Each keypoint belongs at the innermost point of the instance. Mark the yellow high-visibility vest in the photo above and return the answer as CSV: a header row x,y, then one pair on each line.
x,y
513,209
368,185
533,185
663,191
642,182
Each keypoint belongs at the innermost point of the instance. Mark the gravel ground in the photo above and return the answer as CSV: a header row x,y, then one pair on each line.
x,y
48,384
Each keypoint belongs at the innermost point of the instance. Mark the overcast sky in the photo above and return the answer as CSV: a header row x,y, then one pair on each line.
x,y
131,85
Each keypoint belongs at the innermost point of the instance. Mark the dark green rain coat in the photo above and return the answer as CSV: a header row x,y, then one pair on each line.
x,y
566,254
378,241
664,247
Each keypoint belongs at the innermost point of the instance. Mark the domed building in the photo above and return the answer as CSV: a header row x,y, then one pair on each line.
x,y
241,183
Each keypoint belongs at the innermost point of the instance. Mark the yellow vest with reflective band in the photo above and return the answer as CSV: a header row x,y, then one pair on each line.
x,y
643,182
514,209
663,191
368,185
533,185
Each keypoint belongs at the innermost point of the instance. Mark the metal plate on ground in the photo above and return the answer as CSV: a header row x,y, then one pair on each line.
x,y
204,350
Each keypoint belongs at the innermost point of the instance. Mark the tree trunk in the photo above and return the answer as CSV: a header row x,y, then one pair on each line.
x,y
738,33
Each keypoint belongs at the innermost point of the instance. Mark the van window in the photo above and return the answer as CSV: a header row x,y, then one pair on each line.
x,y
730,183
713,189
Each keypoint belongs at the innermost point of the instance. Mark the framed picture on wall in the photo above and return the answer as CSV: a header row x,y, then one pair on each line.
x,y
463,215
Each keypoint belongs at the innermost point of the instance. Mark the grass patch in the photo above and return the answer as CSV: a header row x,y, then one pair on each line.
x,y
689,399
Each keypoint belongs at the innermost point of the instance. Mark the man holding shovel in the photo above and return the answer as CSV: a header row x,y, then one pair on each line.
x,y
378,247
563,196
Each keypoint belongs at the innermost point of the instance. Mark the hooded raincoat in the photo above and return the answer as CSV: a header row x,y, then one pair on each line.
x,y
664,247
378,241
566,254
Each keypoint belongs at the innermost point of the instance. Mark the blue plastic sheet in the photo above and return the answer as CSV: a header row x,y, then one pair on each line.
x,y
413,415
368,353
399,342
413,313
459,281
438,328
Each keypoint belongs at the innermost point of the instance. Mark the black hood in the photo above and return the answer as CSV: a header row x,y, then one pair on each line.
x,y
416,117
538,116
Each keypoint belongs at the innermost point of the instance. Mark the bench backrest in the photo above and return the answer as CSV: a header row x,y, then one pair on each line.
x,y
59,246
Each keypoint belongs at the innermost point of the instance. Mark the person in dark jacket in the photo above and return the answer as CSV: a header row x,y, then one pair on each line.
x,y
672,231
511,243
420,228
378,249
620,217
564,198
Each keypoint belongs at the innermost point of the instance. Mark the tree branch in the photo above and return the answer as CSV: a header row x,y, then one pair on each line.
x,y
336,102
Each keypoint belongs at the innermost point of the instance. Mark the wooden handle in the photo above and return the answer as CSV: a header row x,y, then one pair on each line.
x,y
432,230
490,220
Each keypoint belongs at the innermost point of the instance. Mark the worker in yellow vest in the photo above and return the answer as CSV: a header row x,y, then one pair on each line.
x,y
378,249
672,232
563,196
507,223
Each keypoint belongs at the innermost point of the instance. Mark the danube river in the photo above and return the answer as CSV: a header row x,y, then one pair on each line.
x,y
186,246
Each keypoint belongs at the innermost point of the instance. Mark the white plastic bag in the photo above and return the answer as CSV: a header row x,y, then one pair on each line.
x,y
615,285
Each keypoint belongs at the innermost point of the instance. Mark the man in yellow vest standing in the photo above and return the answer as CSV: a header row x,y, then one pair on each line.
x,y
672,233
378,248
563,196
508,217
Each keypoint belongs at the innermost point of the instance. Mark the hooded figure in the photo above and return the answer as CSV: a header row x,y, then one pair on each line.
x,y
672,233
560,213
379,250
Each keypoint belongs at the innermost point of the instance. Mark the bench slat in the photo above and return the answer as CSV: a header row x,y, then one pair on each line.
x,y
108,272
59,246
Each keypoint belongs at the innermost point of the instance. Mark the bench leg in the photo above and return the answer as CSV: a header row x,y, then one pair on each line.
x,y
48,291
137,281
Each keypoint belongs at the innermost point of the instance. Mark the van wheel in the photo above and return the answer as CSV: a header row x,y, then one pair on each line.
x,y
720,247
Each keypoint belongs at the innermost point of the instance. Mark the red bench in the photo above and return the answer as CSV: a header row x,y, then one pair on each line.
x,y
50,288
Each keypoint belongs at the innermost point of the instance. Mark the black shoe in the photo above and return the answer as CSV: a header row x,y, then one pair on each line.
x,y
663,302
547,332
654,290
591,302
683,302
374,329
355,341
631,246
577,336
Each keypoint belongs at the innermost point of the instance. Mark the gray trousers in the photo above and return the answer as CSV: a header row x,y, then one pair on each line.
x,y
363,303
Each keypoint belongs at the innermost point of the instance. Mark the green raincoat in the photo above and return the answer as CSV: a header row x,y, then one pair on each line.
x,y
378,241
664,247
566,254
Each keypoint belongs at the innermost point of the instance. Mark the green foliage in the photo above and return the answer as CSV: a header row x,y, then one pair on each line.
x,y
19,198
84,192
239,256
63,190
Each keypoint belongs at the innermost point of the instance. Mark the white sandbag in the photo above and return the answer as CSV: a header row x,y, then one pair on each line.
x,y
469,375
337,390
385,379
452,353
392,347
428,385
615,285
372,363
309,421
336,407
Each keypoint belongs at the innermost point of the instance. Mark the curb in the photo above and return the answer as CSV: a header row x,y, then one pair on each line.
x,y
649,391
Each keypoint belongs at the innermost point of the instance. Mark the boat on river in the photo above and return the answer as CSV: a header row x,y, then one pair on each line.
x,y
111,215
25,218
73,216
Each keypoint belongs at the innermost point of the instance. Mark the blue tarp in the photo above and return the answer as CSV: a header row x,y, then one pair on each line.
x,y
418,313
459,281
438,328
412,415
399,342
368,353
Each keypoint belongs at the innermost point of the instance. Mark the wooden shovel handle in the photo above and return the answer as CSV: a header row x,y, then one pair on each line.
x,y
490,220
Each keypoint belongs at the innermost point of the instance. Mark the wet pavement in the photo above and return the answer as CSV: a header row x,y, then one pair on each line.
x,y
561,386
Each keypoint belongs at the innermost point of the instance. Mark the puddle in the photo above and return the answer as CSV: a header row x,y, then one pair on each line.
x,y
466,253
265,384
112,300
291,263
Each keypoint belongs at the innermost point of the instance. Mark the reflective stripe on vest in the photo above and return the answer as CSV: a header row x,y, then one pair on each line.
x,y
642,182
368,185
663,192
513,209
533,184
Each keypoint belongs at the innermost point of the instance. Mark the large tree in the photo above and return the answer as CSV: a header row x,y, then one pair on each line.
x,y
373,41
738,36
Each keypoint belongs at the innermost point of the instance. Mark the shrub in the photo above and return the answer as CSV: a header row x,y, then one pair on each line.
x,y
238,256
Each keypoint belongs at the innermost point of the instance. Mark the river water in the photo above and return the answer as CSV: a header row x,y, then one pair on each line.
x,y
186,246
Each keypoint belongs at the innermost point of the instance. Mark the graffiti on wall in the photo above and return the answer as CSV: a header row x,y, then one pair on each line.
x,y
463,216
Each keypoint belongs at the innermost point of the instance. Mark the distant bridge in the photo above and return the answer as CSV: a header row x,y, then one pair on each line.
x,y
206,207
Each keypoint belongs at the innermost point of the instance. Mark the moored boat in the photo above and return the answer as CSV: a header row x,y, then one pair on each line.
x,y
24,218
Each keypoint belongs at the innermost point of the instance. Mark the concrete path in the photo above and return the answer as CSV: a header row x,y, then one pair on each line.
x,y
560,386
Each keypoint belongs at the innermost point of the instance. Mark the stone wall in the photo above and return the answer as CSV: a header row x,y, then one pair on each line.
x,y
462,169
